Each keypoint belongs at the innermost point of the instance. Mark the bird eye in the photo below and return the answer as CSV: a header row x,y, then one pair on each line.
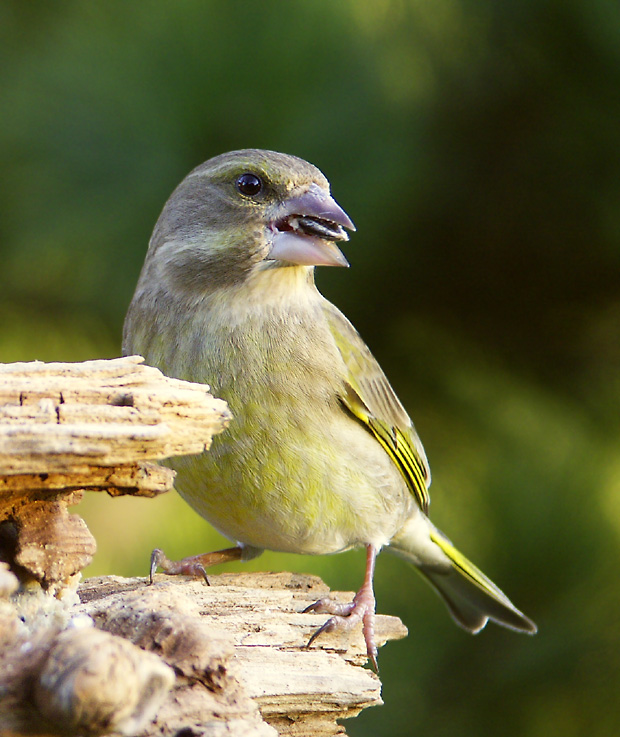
x,y
249,184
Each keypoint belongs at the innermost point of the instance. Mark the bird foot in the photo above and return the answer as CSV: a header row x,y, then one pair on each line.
x,y
346,616
195,565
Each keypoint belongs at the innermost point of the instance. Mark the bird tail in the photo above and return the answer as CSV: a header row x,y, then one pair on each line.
x,y
471,597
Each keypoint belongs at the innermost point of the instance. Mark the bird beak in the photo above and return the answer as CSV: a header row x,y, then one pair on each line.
x,y
306,229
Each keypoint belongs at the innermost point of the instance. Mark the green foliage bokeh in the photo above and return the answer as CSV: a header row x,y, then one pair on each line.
x,y
475,144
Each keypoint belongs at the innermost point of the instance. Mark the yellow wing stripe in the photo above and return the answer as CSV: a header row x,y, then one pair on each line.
x,y
407,463
414,459
396,445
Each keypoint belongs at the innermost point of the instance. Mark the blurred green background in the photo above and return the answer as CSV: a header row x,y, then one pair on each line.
x,y
476,146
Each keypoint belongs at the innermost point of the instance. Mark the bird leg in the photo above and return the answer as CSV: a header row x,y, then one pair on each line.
x,y
345,616
195,565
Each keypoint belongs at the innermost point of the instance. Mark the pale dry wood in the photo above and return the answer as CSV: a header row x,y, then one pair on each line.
x,y
249,628
78,681
110,685
96,425
103,413
237,649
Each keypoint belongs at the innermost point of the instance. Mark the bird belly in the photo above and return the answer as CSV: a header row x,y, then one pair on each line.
x,y
294,493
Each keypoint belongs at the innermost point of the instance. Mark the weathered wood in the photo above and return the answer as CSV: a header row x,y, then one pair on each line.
x,y
75,680
228,659
96,425
52,545
102,413
249,627
138,479
237,649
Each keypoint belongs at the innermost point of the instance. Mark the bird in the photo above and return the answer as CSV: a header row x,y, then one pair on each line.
x,y
320,456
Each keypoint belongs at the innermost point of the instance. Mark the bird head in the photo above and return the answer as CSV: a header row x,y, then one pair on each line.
x,y
244,211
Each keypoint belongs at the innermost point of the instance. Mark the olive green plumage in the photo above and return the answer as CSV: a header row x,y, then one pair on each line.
x,y
320,456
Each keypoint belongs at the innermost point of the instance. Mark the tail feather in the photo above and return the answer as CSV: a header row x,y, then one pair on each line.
x,y
470,596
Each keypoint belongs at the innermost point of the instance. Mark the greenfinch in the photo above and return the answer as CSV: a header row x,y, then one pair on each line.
x,y
320,456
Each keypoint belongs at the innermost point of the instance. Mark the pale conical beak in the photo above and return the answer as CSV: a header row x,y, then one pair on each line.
x,y
306,229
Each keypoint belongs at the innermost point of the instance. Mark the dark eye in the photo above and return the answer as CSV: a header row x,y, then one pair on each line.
x,y
249,184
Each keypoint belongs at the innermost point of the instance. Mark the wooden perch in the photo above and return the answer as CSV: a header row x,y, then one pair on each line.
x,y
178,657
103,413
237,649
97,425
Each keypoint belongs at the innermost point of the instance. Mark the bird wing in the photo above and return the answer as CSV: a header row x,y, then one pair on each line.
x,y
367,394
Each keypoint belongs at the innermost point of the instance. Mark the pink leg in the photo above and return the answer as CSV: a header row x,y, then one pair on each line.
x,y
361,608
195,565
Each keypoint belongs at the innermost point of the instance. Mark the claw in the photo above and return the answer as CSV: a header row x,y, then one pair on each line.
x,y
156,556
331,624
313,607
373,661
203,572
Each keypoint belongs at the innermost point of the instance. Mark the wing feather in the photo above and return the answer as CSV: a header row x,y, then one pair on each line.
x,y
368,395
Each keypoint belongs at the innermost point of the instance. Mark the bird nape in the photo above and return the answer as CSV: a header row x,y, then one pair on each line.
x,y
321,456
